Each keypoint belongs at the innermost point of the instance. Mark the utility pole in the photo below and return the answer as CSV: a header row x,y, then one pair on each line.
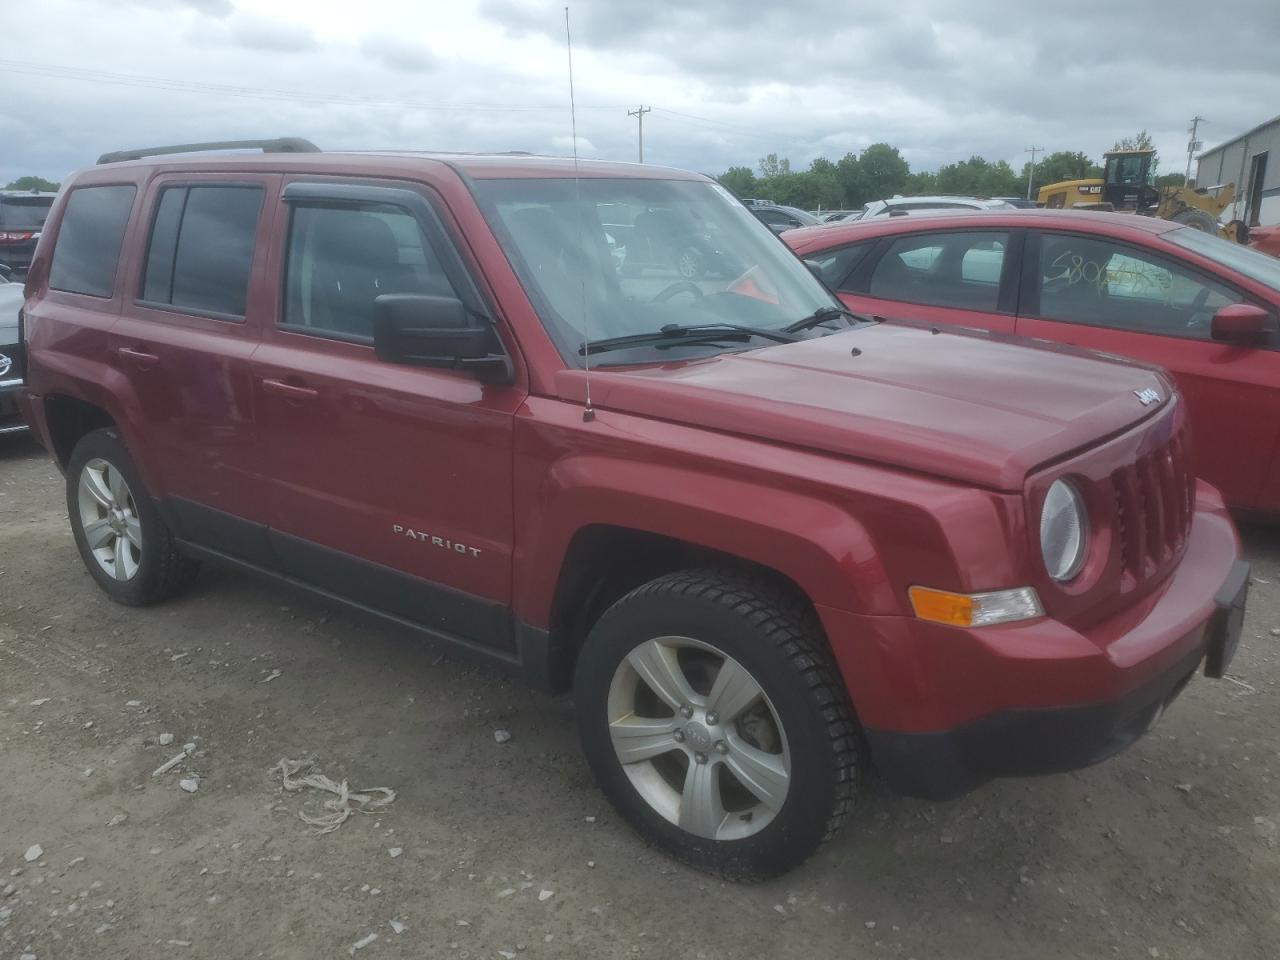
x,y
1033,150
639,115
1193,145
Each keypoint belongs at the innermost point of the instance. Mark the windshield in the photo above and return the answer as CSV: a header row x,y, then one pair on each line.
x,y
26,212
1127,169
1251,263
604,258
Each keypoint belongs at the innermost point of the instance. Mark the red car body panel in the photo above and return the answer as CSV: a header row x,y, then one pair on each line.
x,y
854,466
1232,392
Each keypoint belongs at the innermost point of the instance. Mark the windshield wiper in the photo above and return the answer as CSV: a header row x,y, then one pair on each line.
x,y
822,315
693,333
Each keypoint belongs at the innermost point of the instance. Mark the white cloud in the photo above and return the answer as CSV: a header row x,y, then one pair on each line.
x,y
399,53
564,144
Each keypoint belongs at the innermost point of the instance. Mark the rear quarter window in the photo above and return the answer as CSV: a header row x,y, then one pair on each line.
x,y
89,239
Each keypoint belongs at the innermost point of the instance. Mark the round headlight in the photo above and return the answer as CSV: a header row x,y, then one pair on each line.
x,y
1063,531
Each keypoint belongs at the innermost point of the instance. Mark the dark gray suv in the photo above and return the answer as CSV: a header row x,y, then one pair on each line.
x,y
22,216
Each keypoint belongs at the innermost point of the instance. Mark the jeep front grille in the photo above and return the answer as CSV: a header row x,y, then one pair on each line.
x,y
1154,505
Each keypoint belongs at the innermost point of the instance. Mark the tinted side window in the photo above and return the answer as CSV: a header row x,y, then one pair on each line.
x,y
88,249
158,282
1097,281
201,248
960,270
215,249
343,257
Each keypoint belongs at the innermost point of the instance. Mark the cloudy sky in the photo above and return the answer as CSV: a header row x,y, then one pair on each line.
x,y
728,80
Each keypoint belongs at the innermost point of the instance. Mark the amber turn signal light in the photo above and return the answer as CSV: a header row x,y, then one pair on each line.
x,y
975,609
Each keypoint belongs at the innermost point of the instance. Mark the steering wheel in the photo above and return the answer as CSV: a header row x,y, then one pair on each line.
x,y
677,288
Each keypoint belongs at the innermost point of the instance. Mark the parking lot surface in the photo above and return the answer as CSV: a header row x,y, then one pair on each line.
x,y
505,849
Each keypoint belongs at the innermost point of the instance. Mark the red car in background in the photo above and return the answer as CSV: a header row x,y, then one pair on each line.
x,y
1202,307
1265,240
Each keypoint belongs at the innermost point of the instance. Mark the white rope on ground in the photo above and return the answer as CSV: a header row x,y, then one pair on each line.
x,y
297,775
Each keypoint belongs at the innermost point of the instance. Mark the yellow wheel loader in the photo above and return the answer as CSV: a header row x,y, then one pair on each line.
x,y
1127,187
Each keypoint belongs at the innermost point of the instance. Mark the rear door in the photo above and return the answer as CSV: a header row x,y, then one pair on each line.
x,y
1094,291
190,322
958,277
391,483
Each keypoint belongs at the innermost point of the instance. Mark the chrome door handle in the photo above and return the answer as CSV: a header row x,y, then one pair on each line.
x,y
289,391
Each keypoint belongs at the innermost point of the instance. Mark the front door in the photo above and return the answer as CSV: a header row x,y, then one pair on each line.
x,y
392,482
1092,291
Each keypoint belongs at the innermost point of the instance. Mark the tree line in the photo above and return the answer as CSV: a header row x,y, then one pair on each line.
x,y
880,171
32,183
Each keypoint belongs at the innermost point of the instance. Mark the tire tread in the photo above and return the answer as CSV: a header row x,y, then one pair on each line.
x,y
793,628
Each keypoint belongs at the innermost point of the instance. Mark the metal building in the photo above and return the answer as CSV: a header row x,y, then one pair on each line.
x,y
1252,162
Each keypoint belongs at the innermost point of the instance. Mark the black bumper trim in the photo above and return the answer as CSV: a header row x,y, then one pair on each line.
x,y
1014,743
1228,621
947,764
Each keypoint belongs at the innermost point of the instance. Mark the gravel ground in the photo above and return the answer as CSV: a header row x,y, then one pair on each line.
x,y
506,849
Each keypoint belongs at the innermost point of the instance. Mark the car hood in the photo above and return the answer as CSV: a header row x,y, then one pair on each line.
x,y
975,407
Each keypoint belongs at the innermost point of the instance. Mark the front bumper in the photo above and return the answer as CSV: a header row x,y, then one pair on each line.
x,y
946,709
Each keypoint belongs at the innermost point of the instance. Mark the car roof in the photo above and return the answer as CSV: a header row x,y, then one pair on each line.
x,y
778,206
938,198
480,166
806,239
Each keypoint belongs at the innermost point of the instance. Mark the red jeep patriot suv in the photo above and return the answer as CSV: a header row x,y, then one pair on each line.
x,y
764,541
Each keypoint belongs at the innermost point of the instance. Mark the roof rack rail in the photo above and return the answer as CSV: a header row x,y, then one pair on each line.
x,y
278,145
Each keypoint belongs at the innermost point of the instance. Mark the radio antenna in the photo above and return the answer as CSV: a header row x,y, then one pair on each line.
x,y
588,413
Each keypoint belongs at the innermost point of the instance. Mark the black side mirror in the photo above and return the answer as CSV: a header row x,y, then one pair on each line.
x,y
1243,324
815,268
435,332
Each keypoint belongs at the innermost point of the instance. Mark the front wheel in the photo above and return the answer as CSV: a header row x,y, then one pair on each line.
x,y
714,720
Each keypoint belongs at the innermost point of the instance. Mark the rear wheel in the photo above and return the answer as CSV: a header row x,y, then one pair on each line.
x,y
122,539
714,720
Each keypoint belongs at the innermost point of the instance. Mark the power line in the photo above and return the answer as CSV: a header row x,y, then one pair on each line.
x,y
261,93
718,123
173,85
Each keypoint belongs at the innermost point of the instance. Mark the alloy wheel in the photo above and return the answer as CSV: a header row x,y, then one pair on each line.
x,y
698,738
109,519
